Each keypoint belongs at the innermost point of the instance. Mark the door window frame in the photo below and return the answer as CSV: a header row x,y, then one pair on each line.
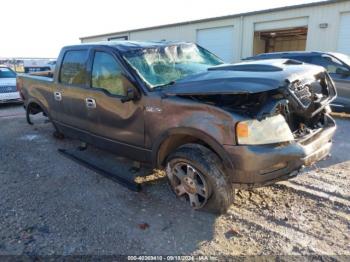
x,y
86,82
122,69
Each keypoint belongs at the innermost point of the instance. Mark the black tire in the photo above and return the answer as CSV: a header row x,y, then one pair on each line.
x,y
208,174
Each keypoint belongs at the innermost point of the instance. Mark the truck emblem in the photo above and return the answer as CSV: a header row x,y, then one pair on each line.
x,y
153,109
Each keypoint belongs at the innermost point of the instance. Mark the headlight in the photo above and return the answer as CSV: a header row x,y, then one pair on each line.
x,y
268,131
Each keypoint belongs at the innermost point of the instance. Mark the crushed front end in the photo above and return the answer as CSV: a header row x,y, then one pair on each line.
x,y
280,111
292,128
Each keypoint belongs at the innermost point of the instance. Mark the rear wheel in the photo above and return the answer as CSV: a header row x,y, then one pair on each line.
x,y
33,109
196,174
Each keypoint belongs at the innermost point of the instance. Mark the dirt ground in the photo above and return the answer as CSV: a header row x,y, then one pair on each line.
x,y
51,205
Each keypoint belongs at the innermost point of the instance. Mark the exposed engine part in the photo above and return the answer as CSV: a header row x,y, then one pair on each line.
x,y
301,91
300,102
273,107
246,104
309,96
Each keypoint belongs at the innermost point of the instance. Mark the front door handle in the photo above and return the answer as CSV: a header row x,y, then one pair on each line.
x,y
90,102
58,96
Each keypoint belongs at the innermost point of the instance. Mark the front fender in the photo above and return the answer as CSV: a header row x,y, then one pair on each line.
x,y
198,134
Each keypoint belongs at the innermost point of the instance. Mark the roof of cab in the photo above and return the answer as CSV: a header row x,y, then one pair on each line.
x,y
292,53
125,46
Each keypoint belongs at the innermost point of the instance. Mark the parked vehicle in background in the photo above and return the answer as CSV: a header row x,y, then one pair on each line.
x,y
35,65
337,65
28,65
52,65
177,106
8,90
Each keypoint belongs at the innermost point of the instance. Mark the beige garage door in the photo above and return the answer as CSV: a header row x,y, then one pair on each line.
x,y
218,40
344,34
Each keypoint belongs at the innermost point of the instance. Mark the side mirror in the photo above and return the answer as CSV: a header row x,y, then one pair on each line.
x,y
343,72
131,94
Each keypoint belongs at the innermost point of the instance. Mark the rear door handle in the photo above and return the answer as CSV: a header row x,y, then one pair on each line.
x,y
58,96
90,102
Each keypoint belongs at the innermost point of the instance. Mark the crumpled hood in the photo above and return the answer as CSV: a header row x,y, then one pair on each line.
x,y
244,78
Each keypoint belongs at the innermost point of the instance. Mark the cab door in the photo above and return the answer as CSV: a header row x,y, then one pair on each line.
x,y
70,107
119,126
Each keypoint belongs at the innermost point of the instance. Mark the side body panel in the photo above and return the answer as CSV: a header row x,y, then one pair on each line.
x,y
173,116
118,121
38,90
109,124
69,99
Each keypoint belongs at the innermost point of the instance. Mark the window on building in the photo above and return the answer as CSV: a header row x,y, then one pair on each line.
x,y
73,70
121,38
107,74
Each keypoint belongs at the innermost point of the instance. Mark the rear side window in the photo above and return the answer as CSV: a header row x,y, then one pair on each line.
x,y
73,71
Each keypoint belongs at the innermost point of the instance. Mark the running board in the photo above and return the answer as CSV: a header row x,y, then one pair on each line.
x,y
102,167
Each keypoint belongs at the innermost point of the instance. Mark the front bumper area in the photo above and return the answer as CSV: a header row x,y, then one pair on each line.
x,y
13,97
265,164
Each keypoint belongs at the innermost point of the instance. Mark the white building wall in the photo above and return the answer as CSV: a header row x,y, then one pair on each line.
x,y
317,38
185,32
344,33
321,39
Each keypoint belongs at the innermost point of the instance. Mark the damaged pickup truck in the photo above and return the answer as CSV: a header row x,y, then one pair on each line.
x,y
212,126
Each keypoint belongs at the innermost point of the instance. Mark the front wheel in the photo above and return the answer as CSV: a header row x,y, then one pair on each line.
x,y
196,173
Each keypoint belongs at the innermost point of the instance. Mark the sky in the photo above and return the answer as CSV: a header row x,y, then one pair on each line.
x,y
39,28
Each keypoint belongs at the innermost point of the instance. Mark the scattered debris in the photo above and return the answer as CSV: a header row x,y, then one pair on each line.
x,y
143,226
167,226
232,233
29,137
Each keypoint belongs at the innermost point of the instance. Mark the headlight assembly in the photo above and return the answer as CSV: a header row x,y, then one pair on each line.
x,y
271,130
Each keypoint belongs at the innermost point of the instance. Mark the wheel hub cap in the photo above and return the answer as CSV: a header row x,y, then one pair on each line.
x,y
189,185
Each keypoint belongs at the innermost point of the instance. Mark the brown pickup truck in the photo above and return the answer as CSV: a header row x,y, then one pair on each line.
x,y
214,127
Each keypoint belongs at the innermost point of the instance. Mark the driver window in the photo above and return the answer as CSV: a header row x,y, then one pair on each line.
x,y
331,64
107,74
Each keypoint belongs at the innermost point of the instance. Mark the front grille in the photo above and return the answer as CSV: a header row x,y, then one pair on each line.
x,y
301,91
8,89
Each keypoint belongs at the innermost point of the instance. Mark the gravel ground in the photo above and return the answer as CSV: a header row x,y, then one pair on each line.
x,y
51,205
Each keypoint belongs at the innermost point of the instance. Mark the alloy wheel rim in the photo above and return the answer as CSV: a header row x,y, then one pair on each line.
x,y
190,183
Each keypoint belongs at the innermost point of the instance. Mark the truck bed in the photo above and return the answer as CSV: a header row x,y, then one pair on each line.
x,y
36,88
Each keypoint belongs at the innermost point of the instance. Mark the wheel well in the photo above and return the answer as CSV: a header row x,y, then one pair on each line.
x,y
175,141
34,108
